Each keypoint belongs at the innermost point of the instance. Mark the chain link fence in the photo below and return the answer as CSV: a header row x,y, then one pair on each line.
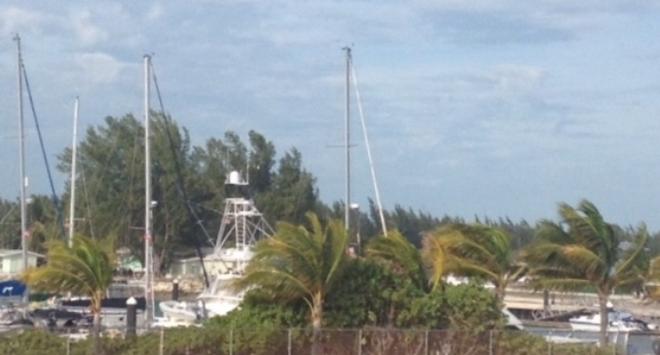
x,y
365,341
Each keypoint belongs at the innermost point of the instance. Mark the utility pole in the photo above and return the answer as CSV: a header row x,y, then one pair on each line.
x,y
347,141
148,228
21,153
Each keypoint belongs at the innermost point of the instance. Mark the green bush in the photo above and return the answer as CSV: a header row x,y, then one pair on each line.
x,y
214,338
34,342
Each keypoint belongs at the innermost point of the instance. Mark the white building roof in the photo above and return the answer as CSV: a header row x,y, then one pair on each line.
x,y
4,253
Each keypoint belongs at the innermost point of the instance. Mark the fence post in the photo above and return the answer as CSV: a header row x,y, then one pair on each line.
x,y
161,349
68,342
359,344
288,343
426,342
490,342
231,341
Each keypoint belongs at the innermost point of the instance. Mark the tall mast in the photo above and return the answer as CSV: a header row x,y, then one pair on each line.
x,y
371,160
148,235
347,140
74,146
21,152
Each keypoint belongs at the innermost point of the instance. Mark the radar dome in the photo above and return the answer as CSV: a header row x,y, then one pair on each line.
x,y
234,178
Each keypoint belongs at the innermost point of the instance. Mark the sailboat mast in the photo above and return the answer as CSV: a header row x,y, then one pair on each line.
x,y
148,242
347,140
74,146
21,153
381,214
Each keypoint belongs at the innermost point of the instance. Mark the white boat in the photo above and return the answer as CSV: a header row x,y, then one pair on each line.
x,y
617,322
512,322
242,225
218,300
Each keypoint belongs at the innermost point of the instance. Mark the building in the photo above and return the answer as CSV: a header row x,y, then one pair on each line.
x,y
11,261
229,261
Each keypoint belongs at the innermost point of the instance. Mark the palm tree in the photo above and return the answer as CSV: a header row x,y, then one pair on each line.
x,y
299,262
654,278
475,250
84,269
584,251
400,254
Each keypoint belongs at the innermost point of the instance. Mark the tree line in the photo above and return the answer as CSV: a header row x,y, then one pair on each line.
x,y
110,198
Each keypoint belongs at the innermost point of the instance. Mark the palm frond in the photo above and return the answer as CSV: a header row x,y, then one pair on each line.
x,y
478,250
436,257
85,269
298,262
634,254
400,252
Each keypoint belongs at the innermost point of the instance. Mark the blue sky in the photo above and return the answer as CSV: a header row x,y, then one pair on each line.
x,y
474,107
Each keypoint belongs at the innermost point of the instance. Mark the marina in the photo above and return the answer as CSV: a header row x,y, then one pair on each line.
x,y
503,208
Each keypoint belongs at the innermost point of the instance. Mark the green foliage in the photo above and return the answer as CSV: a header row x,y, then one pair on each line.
x,y
586,251
292,193
257,309
84,269
400,255
410,223
471,306
369,294
111,183
33,342
299,263
654,279
217,340
468,307
477,251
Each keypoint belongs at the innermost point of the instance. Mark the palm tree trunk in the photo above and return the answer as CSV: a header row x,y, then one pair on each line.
x,y
500,292
604,318
96,332
317,321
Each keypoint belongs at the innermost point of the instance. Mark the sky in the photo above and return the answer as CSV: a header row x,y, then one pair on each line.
x,y
497,108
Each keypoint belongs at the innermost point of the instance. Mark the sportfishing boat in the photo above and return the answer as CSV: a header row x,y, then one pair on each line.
x,y
242,226
217,300
617,322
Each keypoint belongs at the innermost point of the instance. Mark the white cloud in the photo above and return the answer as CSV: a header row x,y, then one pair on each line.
x,y
99,68
85,29
155,12
14,19
517,78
